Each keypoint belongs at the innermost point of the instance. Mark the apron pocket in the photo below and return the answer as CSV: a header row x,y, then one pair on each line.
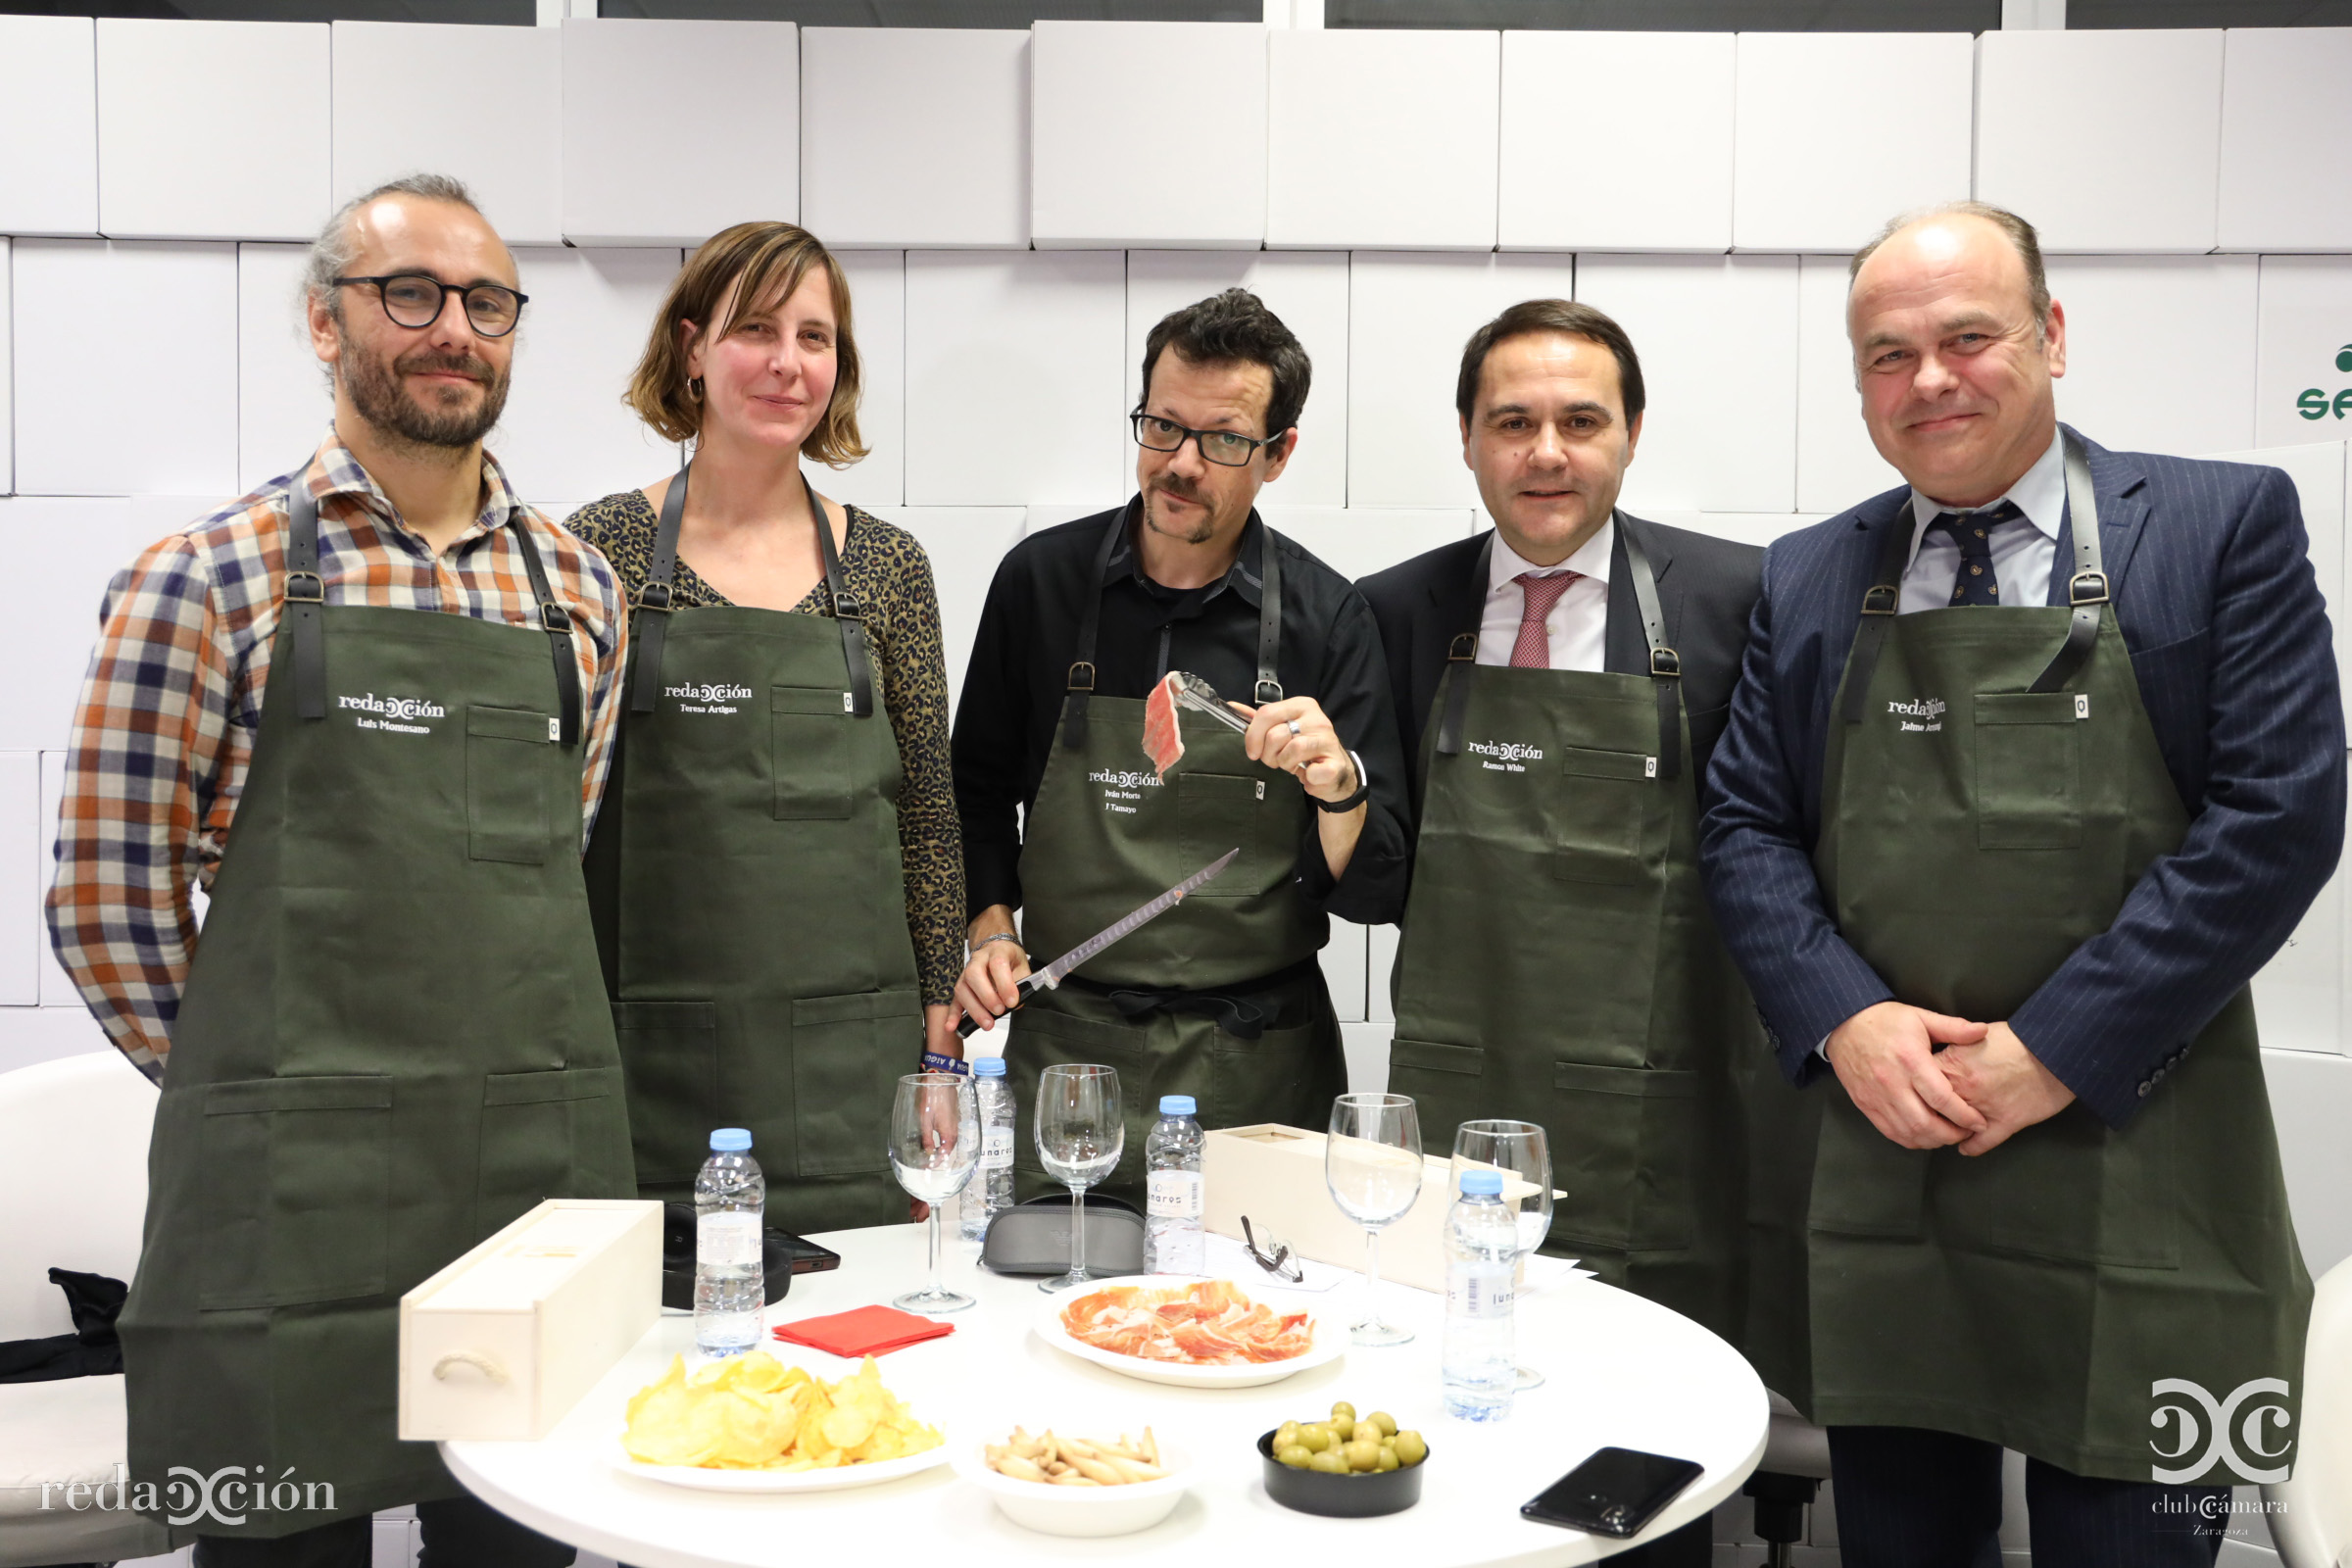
x,y
1216,813
1864,1184
1431,1056
505,784
811,740
670,1062
1281,1076
540,1138
2070,1190
1043,1038
2029,772
1623,1141
1599,821
297,1178
848,1054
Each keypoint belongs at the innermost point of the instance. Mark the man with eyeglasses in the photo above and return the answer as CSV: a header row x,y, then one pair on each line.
x,y
1066,819
388,685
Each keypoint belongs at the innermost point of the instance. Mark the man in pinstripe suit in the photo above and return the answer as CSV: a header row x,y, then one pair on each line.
x,y
2034,762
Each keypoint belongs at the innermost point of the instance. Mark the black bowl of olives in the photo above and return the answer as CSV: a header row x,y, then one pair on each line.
x,y
1343,1467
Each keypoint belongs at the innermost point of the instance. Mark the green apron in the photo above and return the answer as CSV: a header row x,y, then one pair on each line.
x,y
1221,998
749,897
390,1046
1986,807
1559,963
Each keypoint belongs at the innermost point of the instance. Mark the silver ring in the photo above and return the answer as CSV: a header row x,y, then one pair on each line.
x,y
1294,726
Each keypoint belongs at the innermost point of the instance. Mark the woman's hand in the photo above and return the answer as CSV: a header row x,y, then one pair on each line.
x,y
990,986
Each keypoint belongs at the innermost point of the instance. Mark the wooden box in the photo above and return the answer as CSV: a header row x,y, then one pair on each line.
x,y
502,1343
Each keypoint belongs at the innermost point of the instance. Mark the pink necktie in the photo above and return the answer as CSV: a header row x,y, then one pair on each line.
x,y
1532,650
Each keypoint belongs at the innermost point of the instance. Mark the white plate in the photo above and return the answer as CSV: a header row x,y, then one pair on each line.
x,y
840,1479
1331,1342
1081,1510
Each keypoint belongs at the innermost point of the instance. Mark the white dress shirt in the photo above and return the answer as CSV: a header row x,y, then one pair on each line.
x,y
1577,628
2023,554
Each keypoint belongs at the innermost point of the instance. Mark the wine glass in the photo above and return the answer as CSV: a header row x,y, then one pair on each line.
x,y
934,1146
1516,1149
1372,1165
1079,1136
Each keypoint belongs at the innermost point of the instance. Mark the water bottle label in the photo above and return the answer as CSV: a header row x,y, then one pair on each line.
x,y
1480,1293
727,1240
996,1148
1175,1194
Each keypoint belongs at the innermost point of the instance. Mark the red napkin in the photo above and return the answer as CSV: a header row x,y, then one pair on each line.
x,y
864,1331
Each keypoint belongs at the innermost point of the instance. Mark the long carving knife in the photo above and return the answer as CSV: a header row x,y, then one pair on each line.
x,y
1125,925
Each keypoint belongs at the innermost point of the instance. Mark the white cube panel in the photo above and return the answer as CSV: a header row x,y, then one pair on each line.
x,y
57,989
2124,375
8,422
484,104
48,125
1308,290
1836,463
1699,450
1099,98
1013,380
186,152
92,363
565,431
626,179
2311,1099
877,282
1381,139
2303,383
2104,140
1758,528
1380,970
80,543
915,136
23,933
1667,189
2283,101
964,544
1037,519
284,400
1808,176
1408,318
1358,541
1343,959
1366,1047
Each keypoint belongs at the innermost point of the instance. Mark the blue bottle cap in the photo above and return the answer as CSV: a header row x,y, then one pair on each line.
x,y
731,1140
1178,1106
1484,1183
988,1066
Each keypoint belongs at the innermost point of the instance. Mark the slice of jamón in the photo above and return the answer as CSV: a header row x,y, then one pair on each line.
x,y
1163,741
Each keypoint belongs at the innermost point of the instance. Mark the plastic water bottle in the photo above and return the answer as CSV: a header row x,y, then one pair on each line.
x,y
1174,1193
1482,1254
989,1191
730,1285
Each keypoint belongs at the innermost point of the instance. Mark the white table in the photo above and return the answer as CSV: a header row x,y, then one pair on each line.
x,y
1619,1370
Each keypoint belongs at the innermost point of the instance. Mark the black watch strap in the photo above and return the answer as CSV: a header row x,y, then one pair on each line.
x,y
1364,788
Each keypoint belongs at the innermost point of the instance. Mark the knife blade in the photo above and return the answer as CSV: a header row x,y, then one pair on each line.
x,y
1125,925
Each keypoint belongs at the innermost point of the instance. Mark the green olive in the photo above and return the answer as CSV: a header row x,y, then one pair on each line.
x,y
1286,1435
1363,1456
1343,1409
1411,1450
1295,1456
1342,1429
1383,1420
1314,1437
1388,1459
1328,1462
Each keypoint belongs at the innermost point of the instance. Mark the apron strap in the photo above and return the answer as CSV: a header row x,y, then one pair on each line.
x,y
658,594
1879,606
1269,616
1080,687
2087,590
306,598
1665,664
848,611
1464,652
557,620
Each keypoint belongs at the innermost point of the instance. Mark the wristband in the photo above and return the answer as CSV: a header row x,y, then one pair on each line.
x,y
933,1061
1363,787
1001,936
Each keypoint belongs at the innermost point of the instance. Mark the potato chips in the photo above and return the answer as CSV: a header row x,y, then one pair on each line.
x,y
752,1412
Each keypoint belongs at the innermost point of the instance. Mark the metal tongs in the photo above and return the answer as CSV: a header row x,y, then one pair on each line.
x,y
1279,1264
1196,694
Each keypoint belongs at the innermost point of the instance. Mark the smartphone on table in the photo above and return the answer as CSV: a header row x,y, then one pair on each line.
x,y
1614,1493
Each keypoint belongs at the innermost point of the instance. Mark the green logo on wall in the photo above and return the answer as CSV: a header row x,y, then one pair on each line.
x,y
2315,403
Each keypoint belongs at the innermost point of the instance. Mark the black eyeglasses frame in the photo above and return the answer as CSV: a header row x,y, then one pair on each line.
x,y
464,291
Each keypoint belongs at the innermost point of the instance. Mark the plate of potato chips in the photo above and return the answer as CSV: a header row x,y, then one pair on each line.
x,y
753,1424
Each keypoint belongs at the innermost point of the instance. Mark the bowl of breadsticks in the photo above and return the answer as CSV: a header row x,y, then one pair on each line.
x,y
1078,1479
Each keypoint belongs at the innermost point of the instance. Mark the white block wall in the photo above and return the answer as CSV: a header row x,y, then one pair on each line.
x,y
1008,245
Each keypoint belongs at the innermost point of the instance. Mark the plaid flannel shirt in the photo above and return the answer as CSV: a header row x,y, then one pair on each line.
x,y
165,731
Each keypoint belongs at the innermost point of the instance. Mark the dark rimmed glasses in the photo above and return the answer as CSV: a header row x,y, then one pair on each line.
x,y
416,299
1228,449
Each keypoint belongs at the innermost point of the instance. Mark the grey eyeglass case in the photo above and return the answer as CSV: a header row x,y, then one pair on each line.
x,y
1034,1238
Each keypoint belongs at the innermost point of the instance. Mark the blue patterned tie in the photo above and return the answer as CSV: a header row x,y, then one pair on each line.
x,y
1972,531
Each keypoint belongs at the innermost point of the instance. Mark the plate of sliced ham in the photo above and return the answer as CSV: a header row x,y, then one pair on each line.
x,y
1197,1334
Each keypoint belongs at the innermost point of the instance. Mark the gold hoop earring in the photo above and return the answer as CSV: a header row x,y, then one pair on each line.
x,y
694,389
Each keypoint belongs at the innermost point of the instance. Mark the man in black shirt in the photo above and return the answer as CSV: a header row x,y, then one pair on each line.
x,y
1065,817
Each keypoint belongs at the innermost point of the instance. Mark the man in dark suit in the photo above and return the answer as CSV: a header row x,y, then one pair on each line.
x,y
1567,673
2034,762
